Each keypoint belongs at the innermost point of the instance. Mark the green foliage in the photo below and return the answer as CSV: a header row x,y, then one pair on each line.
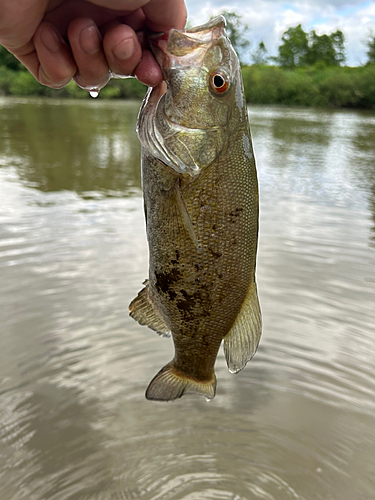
x,y
6,77
340,88
328,49
318,85
293,50
237,32
259,56
7,60
71,90
338,42
371,48
300,48
24,84
365,88
128,88
275,85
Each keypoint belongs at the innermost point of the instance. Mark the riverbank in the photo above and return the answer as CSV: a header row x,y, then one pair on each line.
x,y
317,86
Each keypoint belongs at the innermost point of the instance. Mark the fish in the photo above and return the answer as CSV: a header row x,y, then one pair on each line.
x,y
201,205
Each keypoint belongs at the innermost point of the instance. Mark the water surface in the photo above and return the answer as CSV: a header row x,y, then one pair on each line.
x,y
297,423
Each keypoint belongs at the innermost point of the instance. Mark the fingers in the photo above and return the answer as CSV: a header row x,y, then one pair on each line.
x,y
122,50
86,44
119,52
91,56
148,71
51,63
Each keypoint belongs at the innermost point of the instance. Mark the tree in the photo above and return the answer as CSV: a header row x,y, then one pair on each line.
x,y
326,48
338,42
237,32
320,49
259,56
371,48
293,50
300,48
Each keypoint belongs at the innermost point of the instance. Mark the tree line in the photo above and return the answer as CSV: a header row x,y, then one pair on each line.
x,y
298,47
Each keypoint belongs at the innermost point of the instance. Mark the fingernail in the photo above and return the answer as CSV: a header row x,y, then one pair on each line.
x,y
50,39
125,49
90,40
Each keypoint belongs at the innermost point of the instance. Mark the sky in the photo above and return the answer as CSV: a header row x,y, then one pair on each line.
x,y
268,19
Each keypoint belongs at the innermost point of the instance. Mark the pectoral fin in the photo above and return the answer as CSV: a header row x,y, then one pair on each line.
x,y
186,217
144,310
241,343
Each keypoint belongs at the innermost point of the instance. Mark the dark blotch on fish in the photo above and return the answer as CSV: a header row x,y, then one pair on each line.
x,y
165,280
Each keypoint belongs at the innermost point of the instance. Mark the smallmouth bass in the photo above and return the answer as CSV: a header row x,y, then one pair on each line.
x,y
201,207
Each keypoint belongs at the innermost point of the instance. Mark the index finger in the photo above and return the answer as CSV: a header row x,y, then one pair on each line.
x,y
163,15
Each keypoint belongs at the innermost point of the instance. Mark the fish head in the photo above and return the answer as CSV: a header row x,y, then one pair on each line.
x,y
188,122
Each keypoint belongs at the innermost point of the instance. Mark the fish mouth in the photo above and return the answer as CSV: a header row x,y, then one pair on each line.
x,y
173,48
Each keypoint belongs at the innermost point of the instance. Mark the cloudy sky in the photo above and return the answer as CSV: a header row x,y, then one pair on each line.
x,y
268,19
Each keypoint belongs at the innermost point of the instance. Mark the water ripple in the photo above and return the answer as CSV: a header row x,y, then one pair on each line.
x,y
297,423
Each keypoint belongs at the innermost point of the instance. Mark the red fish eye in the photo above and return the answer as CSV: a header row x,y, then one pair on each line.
x,y
219,82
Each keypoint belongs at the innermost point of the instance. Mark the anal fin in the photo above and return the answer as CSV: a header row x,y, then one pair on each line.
x,y
143,310
241,343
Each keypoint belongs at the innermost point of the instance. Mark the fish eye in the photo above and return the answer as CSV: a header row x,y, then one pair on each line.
x,y
219,82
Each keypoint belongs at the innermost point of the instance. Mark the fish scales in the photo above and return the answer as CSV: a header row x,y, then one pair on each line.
x,y
202,225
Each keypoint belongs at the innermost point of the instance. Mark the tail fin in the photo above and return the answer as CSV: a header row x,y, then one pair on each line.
x,y
171,384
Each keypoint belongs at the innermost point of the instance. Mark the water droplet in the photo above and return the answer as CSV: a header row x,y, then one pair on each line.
x,y
94,93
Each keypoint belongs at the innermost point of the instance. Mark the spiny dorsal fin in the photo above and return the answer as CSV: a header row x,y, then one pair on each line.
x,y
171,384
143,310
241,343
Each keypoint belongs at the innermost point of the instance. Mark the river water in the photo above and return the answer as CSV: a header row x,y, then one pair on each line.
x,y
297,423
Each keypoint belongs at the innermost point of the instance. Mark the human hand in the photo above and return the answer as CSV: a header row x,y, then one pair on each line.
x,y
58,40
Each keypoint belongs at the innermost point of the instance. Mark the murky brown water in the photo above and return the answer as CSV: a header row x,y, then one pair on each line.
x,y
297,423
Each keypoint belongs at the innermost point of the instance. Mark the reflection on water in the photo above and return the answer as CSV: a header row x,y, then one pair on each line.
x,y
79,148
297,423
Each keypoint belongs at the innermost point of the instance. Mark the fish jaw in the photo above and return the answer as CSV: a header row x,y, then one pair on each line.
x,y
178,48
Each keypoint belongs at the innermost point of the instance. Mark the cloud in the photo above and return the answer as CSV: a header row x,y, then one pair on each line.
x,y
268,19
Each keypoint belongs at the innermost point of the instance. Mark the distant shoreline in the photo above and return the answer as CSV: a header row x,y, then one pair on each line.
x,y
313,86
